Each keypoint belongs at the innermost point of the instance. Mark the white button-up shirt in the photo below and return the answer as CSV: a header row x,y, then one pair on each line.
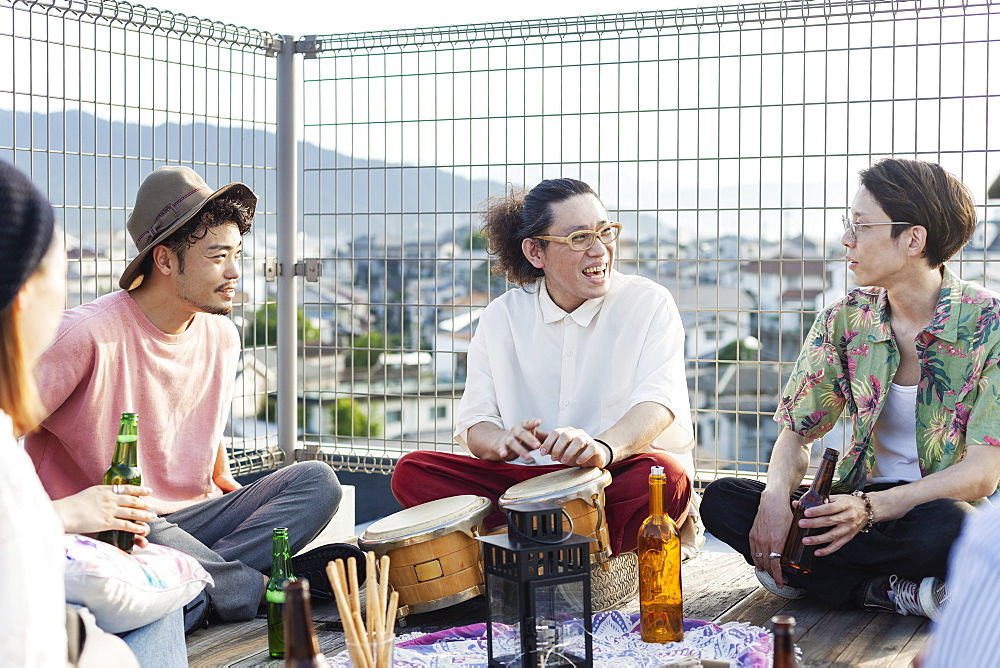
x,y
585,369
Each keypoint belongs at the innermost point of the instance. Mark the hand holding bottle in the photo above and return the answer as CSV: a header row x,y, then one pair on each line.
x,y
124,472
770,529
800,546
844,515
100,508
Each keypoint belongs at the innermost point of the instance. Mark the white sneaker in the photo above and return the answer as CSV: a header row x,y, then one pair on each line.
x,y
785,591
924,598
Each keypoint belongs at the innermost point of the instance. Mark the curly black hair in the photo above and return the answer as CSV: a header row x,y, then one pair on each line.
x,y
220,211
521,214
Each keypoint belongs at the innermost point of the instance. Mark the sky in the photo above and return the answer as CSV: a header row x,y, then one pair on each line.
x,y
308,17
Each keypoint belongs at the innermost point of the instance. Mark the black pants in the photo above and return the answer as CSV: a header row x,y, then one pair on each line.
x,y
913,547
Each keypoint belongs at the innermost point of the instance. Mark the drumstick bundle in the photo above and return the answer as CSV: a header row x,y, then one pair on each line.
x,y
370,646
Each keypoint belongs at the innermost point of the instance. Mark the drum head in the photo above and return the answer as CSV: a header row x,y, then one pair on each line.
x,y
548,484
426,516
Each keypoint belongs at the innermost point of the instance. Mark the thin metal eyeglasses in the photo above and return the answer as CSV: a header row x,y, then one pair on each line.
x,y
852,228
583,240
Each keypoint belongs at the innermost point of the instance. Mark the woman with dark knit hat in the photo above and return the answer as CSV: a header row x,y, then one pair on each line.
x,y
32,295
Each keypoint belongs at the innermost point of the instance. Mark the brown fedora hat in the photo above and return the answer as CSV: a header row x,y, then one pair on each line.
x,y
168,198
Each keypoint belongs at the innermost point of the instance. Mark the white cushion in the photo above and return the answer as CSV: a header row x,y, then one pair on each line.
x,y
125,591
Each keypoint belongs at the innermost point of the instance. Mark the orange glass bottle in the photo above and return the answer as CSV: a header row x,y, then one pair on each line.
x,y
796,555
661,615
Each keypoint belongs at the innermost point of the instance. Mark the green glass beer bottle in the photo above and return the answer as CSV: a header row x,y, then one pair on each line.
x,y
281,573
124,470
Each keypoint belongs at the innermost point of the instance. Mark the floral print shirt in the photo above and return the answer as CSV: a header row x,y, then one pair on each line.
x,y
850,356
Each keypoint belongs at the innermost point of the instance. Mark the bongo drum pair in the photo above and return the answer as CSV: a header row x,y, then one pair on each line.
x,y
435,559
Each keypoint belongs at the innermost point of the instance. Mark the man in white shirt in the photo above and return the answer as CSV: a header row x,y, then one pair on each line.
x,y
581,367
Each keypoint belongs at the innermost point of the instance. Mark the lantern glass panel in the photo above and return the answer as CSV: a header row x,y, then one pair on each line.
x,y
559,630
505,620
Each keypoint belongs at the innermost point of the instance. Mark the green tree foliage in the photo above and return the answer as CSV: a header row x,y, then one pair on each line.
x,y
477,241
352,421
265,327
471,239
747,348
269,412
367,350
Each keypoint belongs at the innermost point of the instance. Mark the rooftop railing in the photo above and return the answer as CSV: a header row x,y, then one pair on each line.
x,y
726,140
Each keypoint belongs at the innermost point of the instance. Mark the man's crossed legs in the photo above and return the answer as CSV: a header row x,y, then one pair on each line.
x,y
231,535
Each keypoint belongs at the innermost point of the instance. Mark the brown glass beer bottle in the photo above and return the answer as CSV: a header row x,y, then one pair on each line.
x,y
301,647
796,555
784,641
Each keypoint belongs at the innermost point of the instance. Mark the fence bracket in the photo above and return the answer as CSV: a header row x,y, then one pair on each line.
x,y
312,269
309,46
273,47
270,269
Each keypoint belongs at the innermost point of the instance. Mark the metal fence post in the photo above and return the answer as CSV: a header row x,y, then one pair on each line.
x,y
287,189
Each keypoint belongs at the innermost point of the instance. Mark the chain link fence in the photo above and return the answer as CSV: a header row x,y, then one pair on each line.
x,y
95,95
726,140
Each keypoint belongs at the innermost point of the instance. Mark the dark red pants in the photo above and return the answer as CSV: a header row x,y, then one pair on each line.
x,y
424,476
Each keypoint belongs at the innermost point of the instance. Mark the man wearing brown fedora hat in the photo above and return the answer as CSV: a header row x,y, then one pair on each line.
x,y
159,349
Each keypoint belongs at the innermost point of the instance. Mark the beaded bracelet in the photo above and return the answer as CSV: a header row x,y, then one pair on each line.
x,y
868,507
611,453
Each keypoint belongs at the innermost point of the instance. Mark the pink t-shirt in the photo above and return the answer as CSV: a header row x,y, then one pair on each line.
x,y
108,358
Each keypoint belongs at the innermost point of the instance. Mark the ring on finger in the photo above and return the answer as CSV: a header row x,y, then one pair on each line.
x,y
759,555
118,489
774,555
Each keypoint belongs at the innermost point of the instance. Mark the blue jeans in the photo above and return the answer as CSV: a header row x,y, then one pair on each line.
x,y
161,643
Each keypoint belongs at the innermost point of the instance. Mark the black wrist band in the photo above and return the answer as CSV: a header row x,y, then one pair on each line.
x,y
611,453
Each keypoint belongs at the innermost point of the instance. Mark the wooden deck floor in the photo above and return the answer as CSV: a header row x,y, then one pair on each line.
x,y
717,586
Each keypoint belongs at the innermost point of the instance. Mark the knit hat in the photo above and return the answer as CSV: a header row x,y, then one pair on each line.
x,y
26,226
168,198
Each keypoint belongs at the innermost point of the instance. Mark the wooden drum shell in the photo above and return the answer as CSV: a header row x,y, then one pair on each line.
x,y
434,565
580,492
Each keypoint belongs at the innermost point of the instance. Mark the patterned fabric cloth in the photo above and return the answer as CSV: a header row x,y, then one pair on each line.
x,y
850,357
616,643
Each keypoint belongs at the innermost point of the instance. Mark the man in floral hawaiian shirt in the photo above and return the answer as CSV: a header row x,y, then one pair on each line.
x,y
912,361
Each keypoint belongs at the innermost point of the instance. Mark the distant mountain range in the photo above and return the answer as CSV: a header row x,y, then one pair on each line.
x,y
91,167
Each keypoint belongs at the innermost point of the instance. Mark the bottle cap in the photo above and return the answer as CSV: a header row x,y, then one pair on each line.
x,y
656,470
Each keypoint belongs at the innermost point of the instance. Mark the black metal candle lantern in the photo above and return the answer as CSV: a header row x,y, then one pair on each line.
x,y
537,591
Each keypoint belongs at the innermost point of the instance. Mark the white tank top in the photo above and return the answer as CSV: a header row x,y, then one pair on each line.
x,y
896,437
